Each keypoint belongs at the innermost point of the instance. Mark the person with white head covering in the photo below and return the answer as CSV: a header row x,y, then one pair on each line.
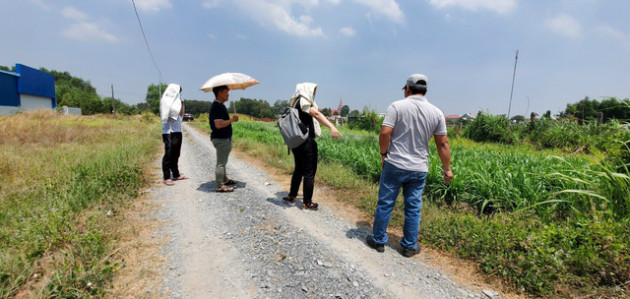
x,y
305,155
171,111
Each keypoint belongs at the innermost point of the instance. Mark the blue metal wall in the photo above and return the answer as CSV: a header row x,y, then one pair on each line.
x,y
9,95
35,82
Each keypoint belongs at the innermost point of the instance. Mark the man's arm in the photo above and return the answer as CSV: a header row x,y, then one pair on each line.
x,y
444,151
222,123
383,141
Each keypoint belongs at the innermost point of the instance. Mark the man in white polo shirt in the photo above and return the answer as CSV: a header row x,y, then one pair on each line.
x,y
407,129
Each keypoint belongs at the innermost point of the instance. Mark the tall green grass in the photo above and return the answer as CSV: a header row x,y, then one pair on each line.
x,y
547,222
490,177
65,179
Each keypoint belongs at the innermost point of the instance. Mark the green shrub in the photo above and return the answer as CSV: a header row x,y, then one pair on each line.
x,y
582,254
491,128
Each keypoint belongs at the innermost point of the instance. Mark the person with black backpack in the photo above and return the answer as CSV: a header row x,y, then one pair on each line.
x,y
305,155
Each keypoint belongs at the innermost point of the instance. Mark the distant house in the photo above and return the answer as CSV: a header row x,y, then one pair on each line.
x,y
452,117
26,89
457,117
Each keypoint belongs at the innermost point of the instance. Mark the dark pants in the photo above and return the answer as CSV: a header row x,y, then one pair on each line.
x,y
172,149
305,157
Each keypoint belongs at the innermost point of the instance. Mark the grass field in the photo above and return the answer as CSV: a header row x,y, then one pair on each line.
x,y
65,179
546,222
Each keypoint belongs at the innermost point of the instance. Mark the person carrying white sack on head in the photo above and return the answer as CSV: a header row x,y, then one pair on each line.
x,y
171,112
305,155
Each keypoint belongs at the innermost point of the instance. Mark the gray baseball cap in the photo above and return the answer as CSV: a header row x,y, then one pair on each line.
x,y
417,80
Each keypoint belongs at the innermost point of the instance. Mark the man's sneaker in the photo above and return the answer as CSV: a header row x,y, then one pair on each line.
x,y
409,252
310,206
378,247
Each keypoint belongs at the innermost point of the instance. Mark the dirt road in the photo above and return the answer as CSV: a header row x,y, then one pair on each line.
x,y
250,244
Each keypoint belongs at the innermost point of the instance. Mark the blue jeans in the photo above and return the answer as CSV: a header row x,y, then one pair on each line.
x,y
412,183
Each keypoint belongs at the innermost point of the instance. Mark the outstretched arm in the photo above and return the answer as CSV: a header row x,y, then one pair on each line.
x,y
323,120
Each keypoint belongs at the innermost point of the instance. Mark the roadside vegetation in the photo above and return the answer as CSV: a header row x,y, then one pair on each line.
x,y
65,179
542,205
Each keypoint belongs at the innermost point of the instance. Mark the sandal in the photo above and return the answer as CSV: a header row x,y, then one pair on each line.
x,y
289,199
168,182
310,206
224,188
229,182
181,177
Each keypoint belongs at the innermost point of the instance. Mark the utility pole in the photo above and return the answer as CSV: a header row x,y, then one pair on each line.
x,y
512,90
113,106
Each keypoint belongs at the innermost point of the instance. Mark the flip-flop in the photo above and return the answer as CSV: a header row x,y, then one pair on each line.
x,y
181,177
168,183
224,189
229,182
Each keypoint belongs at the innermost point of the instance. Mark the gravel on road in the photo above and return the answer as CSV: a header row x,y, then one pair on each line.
x,y
251,244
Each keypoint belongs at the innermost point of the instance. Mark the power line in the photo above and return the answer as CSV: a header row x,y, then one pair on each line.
x,y
512,90
147,43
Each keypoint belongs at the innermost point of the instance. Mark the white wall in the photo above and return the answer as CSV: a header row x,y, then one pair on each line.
x,y
31,102
9,109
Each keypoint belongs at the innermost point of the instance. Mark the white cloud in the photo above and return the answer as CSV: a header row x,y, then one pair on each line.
x,y
41,4
306,19
615,34
152,5
388,8
88,32
72,13
210,4
278,14
348,31
499,6
565,25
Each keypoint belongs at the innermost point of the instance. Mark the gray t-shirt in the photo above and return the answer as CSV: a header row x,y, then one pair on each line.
x,y
414,121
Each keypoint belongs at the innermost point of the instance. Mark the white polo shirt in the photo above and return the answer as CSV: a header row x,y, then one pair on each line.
x,y
414,121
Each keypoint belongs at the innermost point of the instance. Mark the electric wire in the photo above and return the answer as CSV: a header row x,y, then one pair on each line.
x,y
146,41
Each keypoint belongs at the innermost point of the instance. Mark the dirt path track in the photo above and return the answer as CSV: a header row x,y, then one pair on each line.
x,y
250,244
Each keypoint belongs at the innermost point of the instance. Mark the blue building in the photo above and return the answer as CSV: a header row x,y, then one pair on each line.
x,y
26,89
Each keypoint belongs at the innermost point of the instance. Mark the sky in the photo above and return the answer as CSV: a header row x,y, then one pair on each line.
x,y
358,51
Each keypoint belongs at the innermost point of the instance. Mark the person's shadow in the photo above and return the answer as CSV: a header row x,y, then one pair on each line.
x,y
364,229
281,203
210,186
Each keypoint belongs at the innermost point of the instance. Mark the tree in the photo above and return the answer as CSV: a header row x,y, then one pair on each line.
x,y
7,69
252,107
345,110
355,113
326,112
279,106
121,108
153,97
75,92
197,107
591,110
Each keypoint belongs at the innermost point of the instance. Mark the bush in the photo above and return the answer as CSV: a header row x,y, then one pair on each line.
x,y
491,128
369,121
584,254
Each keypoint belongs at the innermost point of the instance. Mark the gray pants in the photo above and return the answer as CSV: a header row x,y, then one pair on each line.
x,y
223,147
